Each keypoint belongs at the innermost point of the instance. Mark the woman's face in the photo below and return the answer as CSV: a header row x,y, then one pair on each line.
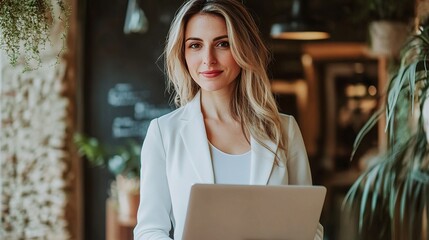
x,y
208,54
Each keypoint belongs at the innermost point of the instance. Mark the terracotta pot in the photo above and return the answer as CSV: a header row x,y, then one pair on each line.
x,y
387,37
128,199
128,204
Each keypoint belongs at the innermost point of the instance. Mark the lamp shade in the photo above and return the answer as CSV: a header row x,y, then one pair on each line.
x,y
299,26
135,19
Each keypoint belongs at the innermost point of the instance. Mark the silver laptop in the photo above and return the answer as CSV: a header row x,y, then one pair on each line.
x,y
253,212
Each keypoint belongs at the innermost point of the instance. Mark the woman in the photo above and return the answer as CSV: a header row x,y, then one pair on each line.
x,y
227,129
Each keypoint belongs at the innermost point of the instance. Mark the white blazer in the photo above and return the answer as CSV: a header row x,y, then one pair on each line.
x,y
175,155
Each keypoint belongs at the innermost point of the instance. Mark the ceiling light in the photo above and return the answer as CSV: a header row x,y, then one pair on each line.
x,y
299,26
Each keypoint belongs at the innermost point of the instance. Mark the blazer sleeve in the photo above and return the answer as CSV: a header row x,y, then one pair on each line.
x,y
153,216
297,160
297,163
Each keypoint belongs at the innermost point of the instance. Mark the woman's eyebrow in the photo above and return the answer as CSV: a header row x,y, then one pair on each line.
x,y
193,38
220,37
199,39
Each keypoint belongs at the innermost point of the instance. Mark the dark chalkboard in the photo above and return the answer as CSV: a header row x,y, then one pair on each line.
x,y
124,87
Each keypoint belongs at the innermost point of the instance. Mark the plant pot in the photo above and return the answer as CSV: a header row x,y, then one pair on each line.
x,y
387,37
128,199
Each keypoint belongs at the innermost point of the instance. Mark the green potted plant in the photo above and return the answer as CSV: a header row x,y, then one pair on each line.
x,y
388,23
390,200
124,163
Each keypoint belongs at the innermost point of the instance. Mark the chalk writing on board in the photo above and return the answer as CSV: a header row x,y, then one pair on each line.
x,y
128,127
123,94
149,111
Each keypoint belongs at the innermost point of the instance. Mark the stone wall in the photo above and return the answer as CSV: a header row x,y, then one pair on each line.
x,y
37,173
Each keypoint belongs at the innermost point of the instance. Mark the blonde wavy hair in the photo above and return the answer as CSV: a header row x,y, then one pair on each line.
x,y
252,103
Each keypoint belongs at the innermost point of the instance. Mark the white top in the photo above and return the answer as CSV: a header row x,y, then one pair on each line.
x,y
230,169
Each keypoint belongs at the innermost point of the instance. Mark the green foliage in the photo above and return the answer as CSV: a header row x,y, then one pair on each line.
x,y
25,27
393,194
123,160
393,10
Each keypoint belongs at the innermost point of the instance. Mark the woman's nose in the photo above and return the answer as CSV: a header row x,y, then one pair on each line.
x,y
209,57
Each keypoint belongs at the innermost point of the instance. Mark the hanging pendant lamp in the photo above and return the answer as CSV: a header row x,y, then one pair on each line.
x,y
135,19
300,25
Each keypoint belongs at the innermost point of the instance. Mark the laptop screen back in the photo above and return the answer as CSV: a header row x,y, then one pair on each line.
x,y
253,212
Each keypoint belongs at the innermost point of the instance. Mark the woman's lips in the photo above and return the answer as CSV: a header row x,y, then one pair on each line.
x,y
211,73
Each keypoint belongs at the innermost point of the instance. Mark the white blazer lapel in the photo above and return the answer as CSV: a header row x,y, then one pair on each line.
x,y
262,161
195,140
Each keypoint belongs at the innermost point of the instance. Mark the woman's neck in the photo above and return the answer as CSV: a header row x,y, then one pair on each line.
x,y
216,106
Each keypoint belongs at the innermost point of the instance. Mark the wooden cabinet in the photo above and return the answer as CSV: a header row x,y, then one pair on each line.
x,y
332,69
325,65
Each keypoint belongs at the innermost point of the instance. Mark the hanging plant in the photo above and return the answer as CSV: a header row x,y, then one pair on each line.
x,y
25,28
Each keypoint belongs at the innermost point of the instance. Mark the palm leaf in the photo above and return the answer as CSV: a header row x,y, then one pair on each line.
x,y
393,95
397,185
426,198
412,83
365,196
403,201
377,189
372,121
418,213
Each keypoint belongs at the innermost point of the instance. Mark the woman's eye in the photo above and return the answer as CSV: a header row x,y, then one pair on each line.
x,y
223,44
194,45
